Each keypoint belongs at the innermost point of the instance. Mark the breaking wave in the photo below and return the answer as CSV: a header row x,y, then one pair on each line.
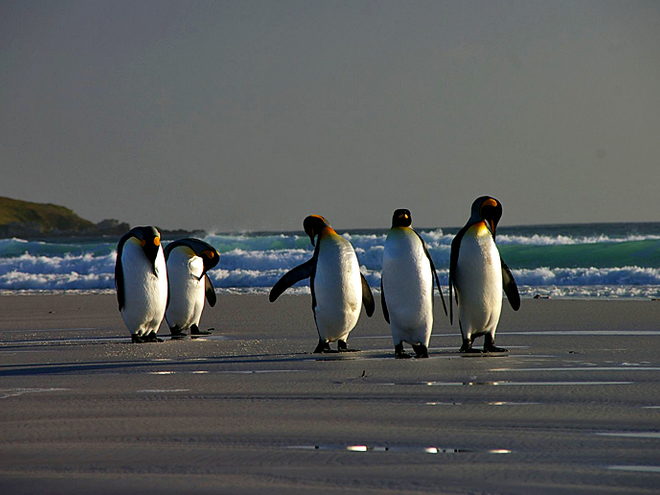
x,y
607,260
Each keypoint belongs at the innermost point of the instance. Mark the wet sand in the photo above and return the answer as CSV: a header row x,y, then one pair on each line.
x,y
574,407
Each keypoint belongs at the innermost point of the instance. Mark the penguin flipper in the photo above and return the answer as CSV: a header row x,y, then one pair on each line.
x,y
119,285
451,305
291,277
510,287
367,297
386,313
209,291
437,282
119,272
453,263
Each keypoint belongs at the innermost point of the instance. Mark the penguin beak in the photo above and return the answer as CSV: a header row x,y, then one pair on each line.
x,y
208,257
491,226
489,212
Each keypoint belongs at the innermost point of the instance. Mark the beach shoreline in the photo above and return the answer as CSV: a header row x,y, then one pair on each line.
x,y
574,406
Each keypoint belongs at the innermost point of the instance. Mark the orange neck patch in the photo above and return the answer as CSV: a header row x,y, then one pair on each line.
x,y
480,228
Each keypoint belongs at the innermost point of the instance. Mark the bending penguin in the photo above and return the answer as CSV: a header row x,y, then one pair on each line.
x,y
479,274
338,288
188,263
141,282
407,287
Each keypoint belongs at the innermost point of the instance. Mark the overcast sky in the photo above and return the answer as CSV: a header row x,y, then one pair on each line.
x,y
250,115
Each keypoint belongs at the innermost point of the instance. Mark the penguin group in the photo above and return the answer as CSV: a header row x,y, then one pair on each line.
x,y
153,283
173,283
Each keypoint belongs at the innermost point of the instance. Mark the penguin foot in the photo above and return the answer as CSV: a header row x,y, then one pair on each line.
x,y
495,349
467,347
399,353
194,330
489,345
323,347
141,339
421,351
343,347
176,333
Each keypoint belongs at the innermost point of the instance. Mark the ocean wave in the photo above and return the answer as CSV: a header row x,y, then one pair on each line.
x,y
17,280
225,243
86,263
556,257
628,276
14,247
89,272
568,240
262,260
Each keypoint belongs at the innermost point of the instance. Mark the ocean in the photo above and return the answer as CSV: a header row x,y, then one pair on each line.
x,y
612,261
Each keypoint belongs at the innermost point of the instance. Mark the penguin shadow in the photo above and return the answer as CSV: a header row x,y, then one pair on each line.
x,y
139,365
383,354
352,355
505,354
200,335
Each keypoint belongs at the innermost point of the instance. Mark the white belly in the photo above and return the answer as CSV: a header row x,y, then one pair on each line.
x,y
187,292
479,285
145,293
337,289
408,287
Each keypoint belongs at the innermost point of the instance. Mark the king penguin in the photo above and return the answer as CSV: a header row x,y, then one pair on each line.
x,y
407,287
338,288
479,274
188,263
141,283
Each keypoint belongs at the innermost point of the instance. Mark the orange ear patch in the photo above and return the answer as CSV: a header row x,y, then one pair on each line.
x,y
329,231
157,241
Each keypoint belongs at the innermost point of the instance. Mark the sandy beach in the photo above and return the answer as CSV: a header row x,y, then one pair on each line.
x,y
574,407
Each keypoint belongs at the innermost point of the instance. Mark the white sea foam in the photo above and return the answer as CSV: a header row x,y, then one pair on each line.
x,y
629,275
591,291
569,240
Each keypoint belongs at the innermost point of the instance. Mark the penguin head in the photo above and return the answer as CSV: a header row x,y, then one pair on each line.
x,y
314,225
210,257
401,218
488,209
202,249
149,238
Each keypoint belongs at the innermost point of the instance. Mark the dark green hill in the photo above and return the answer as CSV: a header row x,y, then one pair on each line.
x,y
27,219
